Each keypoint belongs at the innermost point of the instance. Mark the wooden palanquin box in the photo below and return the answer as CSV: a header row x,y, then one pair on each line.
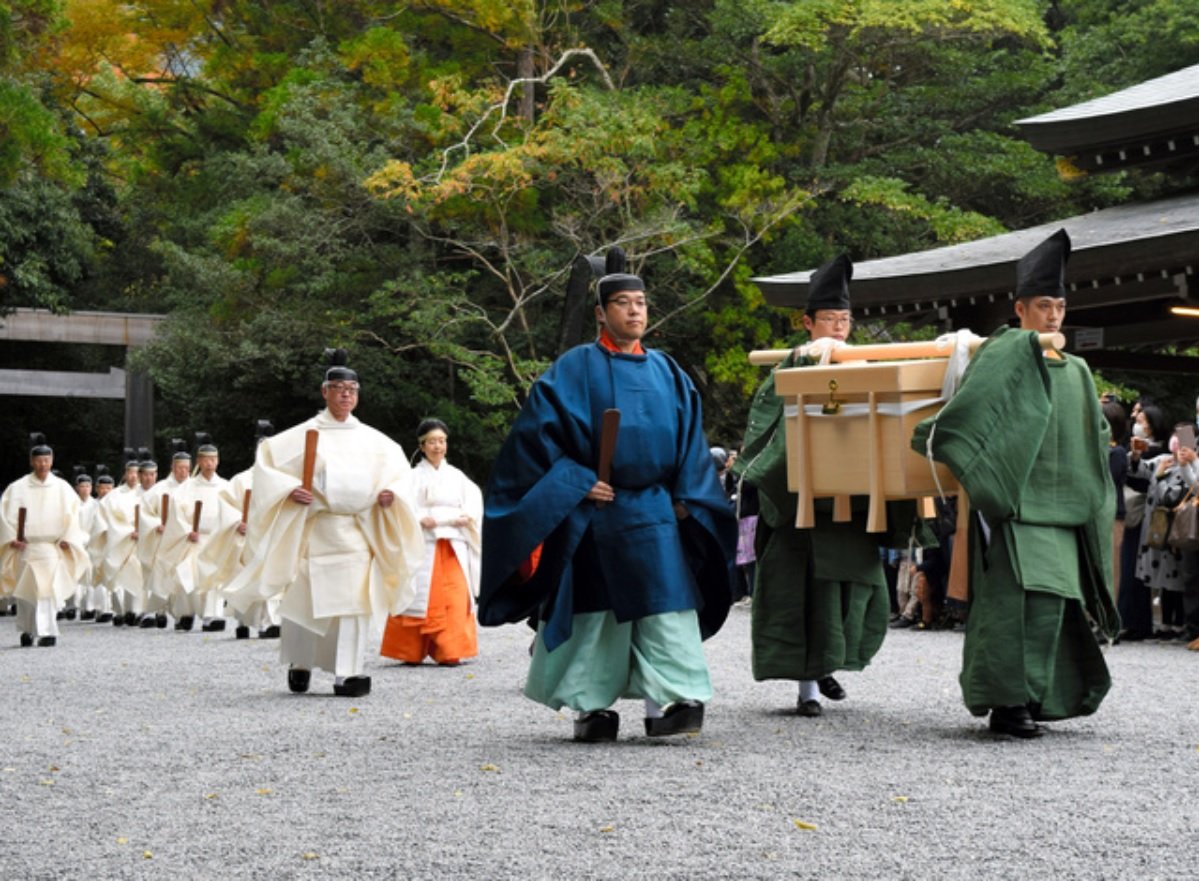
x,y
849,429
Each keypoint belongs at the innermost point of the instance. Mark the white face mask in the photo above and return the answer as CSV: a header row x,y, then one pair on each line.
x,y
1139,430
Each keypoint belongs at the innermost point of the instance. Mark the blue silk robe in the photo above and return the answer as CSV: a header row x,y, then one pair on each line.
x,y
632,556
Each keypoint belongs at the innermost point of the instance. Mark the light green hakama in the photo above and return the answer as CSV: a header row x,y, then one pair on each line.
x,y
659,657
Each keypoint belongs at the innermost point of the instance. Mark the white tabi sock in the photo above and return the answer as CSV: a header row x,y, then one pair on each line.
x,y
652,710
808,690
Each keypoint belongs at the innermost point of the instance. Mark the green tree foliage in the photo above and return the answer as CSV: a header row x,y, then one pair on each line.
x,y
414,181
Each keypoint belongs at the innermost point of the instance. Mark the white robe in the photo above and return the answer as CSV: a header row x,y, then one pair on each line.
x,y
180,556
154,547
446,494
43,570
115,544
343,555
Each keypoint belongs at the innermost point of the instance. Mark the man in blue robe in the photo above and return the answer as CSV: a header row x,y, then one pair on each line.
x,y
626,576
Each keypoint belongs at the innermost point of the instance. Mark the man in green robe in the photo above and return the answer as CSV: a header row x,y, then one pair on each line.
x,y
1027,440
820,597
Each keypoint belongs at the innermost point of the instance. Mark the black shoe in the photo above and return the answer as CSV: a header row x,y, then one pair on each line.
x,y
901,623
216,625
680,717
147,622
131,619
271,632
118,620
597,726
26,640
1015,722
47,641
809,708
297,680
354,686
105,617
831,688
242,632
185,623
70,614
160,621
60,614
87,616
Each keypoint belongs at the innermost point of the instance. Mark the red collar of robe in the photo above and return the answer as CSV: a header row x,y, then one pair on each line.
x,y
608,343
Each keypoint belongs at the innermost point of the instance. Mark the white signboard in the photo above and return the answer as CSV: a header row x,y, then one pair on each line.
x,y
1088,339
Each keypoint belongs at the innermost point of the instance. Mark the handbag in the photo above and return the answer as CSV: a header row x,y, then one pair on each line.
x,y
1159,528
1184,531
746,529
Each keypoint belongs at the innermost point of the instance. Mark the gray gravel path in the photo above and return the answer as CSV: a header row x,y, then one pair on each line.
x,y
164,755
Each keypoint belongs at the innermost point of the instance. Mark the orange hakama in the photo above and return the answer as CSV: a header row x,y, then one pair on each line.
x,y
447,632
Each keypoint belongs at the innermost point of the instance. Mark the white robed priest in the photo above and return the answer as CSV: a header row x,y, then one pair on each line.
x,y
43,553
162,544
341,553
224,555
100,599
193,589
120,515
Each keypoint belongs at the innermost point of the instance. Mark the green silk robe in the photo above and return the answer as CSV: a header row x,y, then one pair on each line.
x,y
820,597
1028,442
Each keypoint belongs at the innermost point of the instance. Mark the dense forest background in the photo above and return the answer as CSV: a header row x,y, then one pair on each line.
x,y
414,180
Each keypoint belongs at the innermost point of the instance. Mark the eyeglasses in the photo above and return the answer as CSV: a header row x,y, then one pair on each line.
x,y
836,320
628,302
339,387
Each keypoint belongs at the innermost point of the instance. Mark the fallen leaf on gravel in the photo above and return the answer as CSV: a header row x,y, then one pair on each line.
x,y
470,675
212,795
122,840
26,678
10,770
487,766
457,793
407,715
800,824
900,798
607,828
54,769
353,710
146,855
309,855
263,791
266,668
46,782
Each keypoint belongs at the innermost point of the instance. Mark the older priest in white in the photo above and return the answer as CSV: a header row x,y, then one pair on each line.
x,y
43,553
341,553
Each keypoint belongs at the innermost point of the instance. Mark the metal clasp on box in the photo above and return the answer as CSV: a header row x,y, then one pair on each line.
x,y
833,406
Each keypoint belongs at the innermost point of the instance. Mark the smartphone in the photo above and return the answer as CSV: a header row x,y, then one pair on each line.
x,y
1186,435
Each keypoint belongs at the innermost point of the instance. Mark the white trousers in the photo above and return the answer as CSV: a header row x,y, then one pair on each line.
x,y
341,651
37,619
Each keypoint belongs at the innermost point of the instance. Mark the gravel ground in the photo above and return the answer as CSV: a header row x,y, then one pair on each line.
x,y
152,754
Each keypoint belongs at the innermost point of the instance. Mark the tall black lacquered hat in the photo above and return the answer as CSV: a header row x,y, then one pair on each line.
x,y
828,288
337,359
102,475
131,458
263,428
80,475
616,277
179,451
145,460
1042,271
38,445
204,444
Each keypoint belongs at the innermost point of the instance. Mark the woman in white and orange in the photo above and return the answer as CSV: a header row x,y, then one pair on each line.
x,y
440,622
